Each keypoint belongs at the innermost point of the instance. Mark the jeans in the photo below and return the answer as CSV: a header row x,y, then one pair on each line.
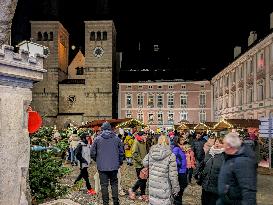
x,y
189,174
140,183
105,176
84,174
182,178
72,155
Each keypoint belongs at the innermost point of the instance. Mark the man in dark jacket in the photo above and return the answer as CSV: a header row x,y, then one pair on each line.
x,y
107,151
198,149
237,182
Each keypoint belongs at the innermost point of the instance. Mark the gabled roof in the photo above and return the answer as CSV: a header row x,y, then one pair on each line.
x,y
77,62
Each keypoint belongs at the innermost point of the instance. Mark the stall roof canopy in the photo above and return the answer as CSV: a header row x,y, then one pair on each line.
x,y
130,123
236,123
113,122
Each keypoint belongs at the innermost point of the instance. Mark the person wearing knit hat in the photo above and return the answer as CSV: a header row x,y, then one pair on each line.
x,y
107,151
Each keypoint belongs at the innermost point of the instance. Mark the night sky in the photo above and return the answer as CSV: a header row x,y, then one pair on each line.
x,y
195,38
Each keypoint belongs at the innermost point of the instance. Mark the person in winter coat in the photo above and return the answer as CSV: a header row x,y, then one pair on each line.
x,y
237,182
74,141
128,143
139,152
212,165
107,151
163,176
83,155
198,149
190,161
181,162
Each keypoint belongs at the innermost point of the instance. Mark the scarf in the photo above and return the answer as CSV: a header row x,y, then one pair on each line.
x,y
213,151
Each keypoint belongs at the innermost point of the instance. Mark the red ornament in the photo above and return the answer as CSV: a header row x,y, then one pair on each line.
x,y
34,120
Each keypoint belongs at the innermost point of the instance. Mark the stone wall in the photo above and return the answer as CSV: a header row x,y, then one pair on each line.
x,y
17,73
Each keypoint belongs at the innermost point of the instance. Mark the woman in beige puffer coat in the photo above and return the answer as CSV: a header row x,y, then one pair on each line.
x,y
163,175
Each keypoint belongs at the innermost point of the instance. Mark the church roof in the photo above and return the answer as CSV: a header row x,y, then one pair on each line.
x,y
78,61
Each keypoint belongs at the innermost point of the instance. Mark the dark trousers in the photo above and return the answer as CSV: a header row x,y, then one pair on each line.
x,y
182,178
84,174
105,177
189,174
140,183
208,198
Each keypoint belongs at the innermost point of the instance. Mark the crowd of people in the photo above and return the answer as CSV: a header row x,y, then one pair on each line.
x,y
225,167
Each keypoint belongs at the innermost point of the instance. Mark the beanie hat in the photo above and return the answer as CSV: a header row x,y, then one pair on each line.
x,y
106,126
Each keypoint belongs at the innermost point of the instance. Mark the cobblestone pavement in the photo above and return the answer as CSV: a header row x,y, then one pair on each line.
x,y
192,195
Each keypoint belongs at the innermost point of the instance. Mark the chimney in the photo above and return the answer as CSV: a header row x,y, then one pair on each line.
x,y
252,37
271,20
237,51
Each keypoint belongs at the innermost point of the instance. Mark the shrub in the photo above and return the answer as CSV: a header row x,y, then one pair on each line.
x,y
44,174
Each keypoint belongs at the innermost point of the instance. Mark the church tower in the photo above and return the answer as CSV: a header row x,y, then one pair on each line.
x,y
45,93
100,56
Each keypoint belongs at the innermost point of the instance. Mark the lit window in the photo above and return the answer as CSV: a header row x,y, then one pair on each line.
x,y
128,114
184,115
202,100
170,117
150,117
202,116
159,101
140,100
170,101
140,116
183,100
150,101
129,101
160,117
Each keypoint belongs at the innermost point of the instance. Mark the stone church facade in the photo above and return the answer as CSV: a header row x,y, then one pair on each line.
x,y
84,90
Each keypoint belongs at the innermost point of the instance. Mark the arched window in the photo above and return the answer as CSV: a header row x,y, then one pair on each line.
x,y
92,36
98,36
51,36
40,36
45,36
104,35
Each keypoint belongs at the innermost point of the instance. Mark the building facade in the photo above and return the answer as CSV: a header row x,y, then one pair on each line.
x,y
244,89
83,90
165,103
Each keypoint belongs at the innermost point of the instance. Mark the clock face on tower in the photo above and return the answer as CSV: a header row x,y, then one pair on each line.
x,y
98,52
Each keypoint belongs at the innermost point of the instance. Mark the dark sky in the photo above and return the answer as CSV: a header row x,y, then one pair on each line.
x,y
192,35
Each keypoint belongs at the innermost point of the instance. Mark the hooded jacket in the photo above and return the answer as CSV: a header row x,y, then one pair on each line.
x,y
163,176
237,182
181,160
107,151
139,151
129,141
83,154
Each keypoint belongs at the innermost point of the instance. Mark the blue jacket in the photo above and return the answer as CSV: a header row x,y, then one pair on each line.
x,y
107,151
181,160
237,182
